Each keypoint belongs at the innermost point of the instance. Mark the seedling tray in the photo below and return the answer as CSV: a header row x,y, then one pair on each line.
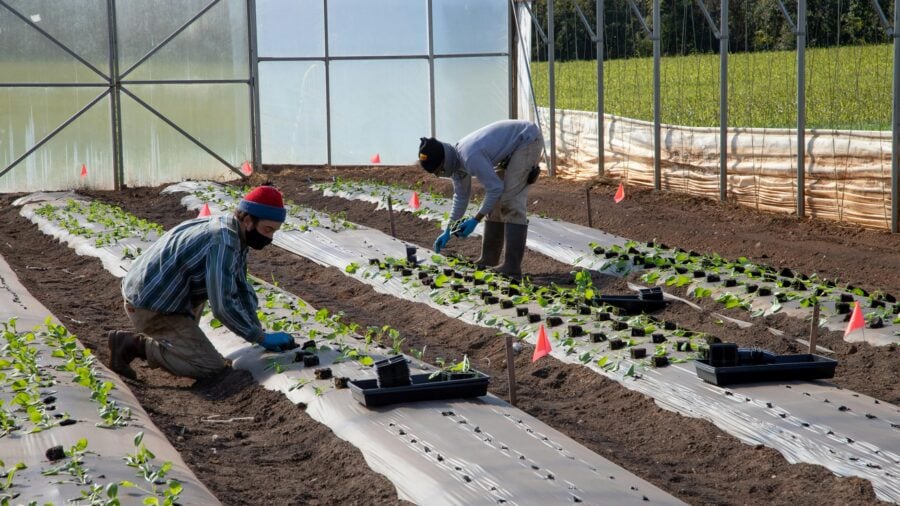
x,y
421,388
632,304
759,366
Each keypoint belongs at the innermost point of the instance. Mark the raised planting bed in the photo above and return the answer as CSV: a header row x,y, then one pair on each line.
x,y
422,387
754,366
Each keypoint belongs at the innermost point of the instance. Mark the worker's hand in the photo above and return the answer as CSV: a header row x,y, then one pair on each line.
x,y
442,240
277,341
466,228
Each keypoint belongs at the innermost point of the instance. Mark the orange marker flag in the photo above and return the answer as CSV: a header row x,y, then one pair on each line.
x,y
204,211
857,321
414,200
247,168
620,194
543,345
83,170
376,158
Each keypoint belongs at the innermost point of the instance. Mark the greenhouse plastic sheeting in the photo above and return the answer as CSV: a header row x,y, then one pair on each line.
x,y
106,447
848,172
865,447
571,243
436,452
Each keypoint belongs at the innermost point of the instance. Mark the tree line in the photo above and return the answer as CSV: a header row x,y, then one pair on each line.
x,y
754,25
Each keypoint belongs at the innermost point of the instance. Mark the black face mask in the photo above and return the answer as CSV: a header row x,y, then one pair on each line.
x,y
256,240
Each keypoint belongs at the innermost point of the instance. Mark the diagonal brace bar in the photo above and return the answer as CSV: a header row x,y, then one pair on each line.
x,y
884,21
787,17
637,12
584,22
536,25
709,19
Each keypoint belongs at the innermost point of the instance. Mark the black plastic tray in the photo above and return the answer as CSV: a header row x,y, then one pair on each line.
x,y
452,386
760,366
633,304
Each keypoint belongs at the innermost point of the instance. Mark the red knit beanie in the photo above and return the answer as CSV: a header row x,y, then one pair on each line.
x,y
264,202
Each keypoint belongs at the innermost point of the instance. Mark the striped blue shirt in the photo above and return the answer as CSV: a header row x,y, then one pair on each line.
x,y
198,260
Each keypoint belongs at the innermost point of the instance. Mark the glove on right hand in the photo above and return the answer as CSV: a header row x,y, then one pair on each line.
x,y
277,341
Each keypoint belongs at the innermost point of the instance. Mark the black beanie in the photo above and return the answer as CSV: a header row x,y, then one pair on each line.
x,y
431,153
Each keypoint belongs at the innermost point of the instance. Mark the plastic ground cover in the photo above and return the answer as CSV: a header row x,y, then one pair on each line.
x,y
574,244
103,457
861,442
435,452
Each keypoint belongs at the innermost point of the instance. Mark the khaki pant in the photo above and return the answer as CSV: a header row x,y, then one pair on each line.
x,y
513,204
175,342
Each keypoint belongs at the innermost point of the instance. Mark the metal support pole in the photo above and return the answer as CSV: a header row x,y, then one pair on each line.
x,y
587,196
601,109
256,135
657,135
513,93
115,97
431,109
814,329
511,369
391,216
328,133
551,57
723,103
895,125
801,108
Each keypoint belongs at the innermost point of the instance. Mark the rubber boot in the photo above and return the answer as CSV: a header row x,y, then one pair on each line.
x,y
516,235
124,347
491,244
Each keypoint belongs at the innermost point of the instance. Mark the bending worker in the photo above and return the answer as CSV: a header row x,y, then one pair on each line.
x,y
200,260
503,156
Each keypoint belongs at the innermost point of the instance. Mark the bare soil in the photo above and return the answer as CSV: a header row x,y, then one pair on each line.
x,y
283,457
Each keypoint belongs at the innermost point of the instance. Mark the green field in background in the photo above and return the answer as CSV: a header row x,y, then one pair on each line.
x,y
846,88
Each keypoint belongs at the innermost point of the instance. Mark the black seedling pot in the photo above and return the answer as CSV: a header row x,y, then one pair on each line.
x,y
485,294
799,285
890,298
637,353
729,282
638,332
340,382
896,308
699,274
602,317
575,331
688,333
392,372
818,291
323,373
406,272
751,288
397,267
411,255
617,325
423,274
478,282
756,273
738,268
648,264
598,337
468,278
658,338
462,289
654,293
633,250
668,325
787,273
713,278
659,361
493,299
876,323
770,278
510,290
598,250
877,303
534,317
55,453
610,254
521,311
683,345
616,344
374,261
650,244
781,297
763,291
846,297
681,269
723,354
506,304
638,259
310,360
553,321
584,310
842,307
449,271
458,275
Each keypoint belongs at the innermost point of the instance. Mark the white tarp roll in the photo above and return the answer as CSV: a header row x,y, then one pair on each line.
x,y
106,447
438,452
571,243
800,426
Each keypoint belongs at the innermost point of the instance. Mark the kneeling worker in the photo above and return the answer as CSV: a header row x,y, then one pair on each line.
x,y
200,260
504,157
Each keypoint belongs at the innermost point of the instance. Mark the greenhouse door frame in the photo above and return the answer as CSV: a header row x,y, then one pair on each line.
x,y
115,80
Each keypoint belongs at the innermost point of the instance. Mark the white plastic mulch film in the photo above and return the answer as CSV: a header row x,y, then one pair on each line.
x,y
54,393
814,422
435,452
575,244
848,172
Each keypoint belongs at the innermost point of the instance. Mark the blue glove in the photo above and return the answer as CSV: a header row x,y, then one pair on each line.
x,y
277,341
441,241
466,228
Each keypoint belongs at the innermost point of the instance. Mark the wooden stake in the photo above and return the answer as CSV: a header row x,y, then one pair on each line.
x,y
814,329
511,369
587,192
391,215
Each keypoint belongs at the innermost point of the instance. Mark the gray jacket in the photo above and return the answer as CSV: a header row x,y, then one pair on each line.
x,y
477,154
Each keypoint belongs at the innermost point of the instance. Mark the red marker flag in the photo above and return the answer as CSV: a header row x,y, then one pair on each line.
x,y
857,321
376,158
620,194
543,345
247,168
204,211
83,170
414,200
